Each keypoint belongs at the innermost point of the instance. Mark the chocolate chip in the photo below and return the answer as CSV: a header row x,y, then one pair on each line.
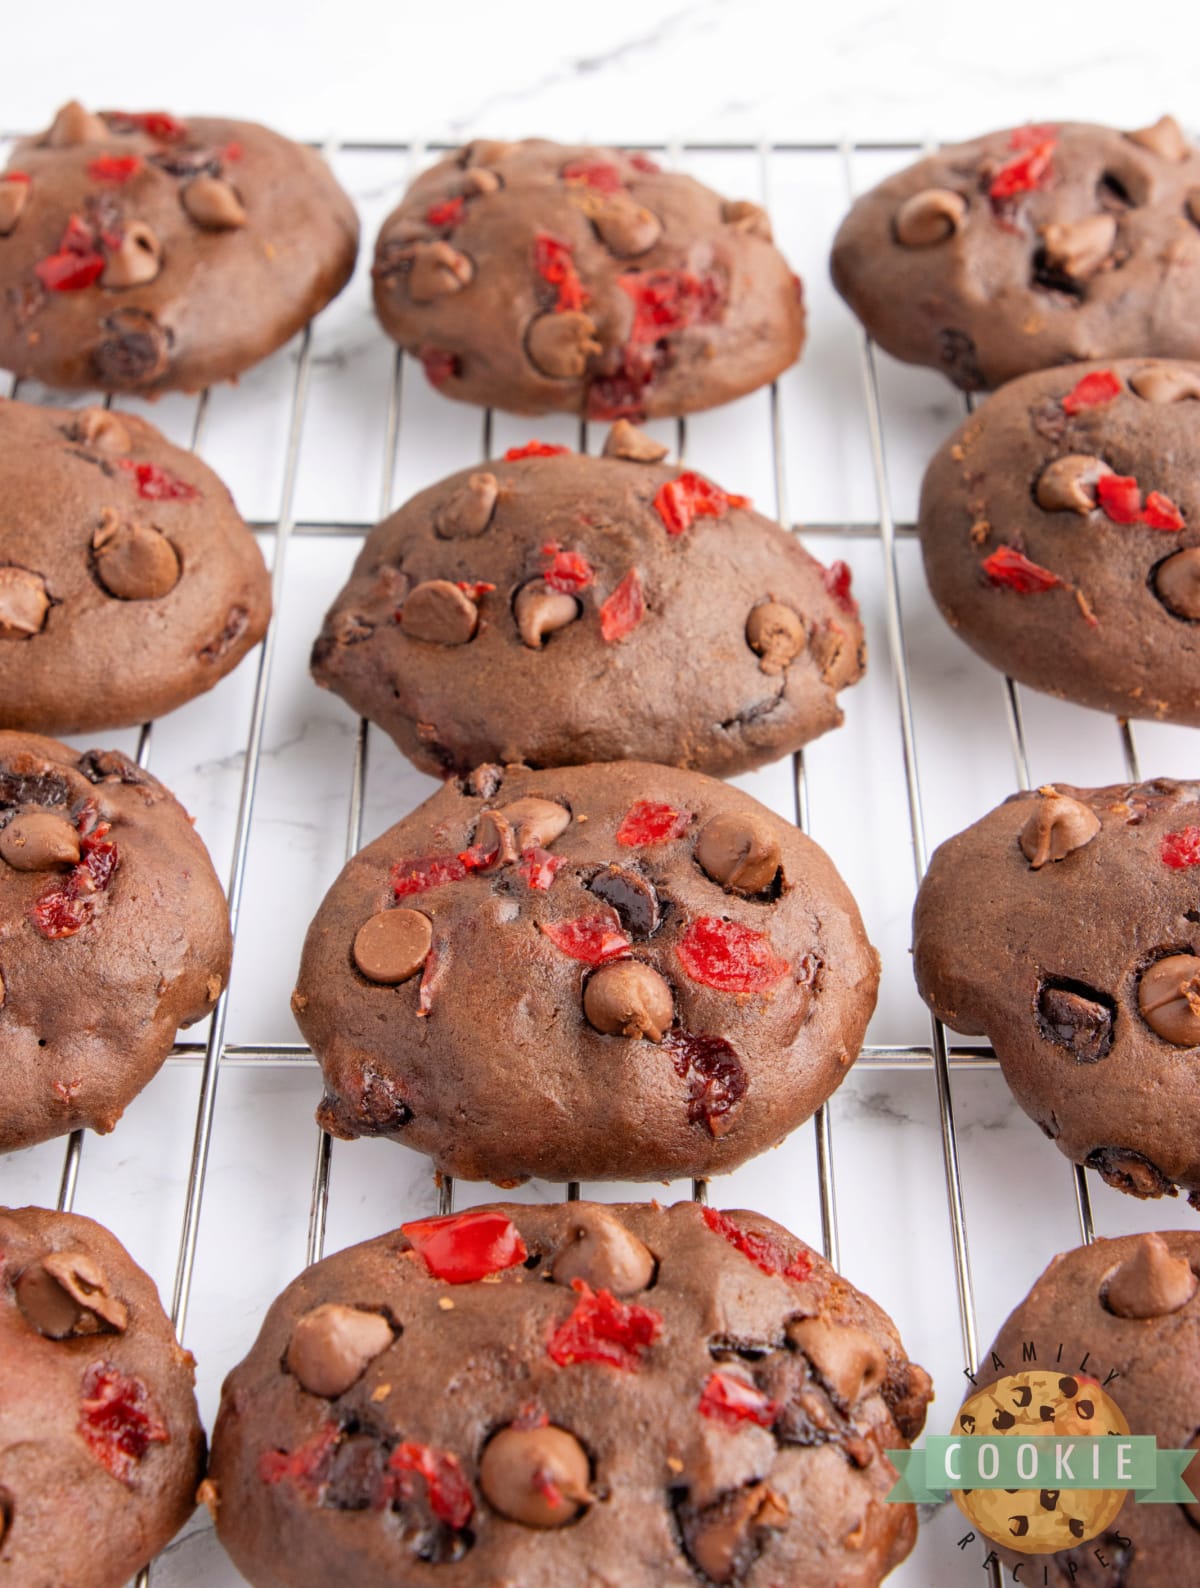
x,y
137,260
67,1294
39,841
536,823
1068,485
540,611
625,227
536,1476
1020,1526
559,345
1176,583
604,1253
746,217
393,945
1081,1022
435,270
357,1473
231,630
848,1361
776,633
1169,999
439,613
1193,205
1057,826
1150,1282
723,1539
1165,383
494,835
930,217
332,1346
13,197
1003,1420
632,896
135,349
133,561
959,358
1079,248
23,603
212,203
73,124
627,441
468,512
101,429
483,151
628,999
1164,138
739,851
478,182
1129,1171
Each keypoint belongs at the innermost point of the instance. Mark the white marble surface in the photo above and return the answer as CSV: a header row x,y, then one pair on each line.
x,y
651,72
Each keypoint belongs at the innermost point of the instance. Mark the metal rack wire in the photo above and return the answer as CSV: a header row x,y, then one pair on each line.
x,y
939,1057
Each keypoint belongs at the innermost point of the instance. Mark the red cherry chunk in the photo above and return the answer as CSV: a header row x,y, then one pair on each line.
x,y
682,501
440,365
78,262
729,956
836,580
534,449
1182,849
624,609
569,571
539,867
731,1400
1093,391
594,939
762,1251
425,872
599,174
1161,512
603,1329
716,1077
155,484
447,213
465,1247
1008,566
652,822
156,124
553,260
665,301
117,1421
114,167
446,1489
307,1466
1119,498
1029,170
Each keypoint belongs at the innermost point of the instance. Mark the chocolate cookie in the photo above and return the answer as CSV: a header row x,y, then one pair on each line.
x,y
1028,248
557,608
113,934
101,1446
1125,1314
598,973
1063,927
141,253
534,276
655,1397
1061,532
128,581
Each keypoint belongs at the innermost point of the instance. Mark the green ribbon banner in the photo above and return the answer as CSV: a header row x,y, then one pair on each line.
x,y
1044,1461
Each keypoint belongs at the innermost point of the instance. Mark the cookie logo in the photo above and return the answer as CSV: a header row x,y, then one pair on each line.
x,y
1044,1402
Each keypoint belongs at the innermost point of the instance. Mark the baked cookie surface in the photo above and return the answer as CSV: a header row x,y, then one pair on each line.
x,y
1031,247
601,972
101,1446
128,581
569,1394
1083,970
556,608
535,276
143,253
1060,527
113,933
1125,1307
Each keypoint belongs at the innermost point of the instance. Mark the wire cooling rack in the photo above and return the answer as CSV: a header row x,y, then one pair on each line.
x,y
941,1199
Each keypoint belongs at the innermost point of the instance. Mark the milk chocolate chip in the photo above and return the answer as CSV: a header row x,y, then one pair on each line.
x,y
23,603
723,1539
744,216
561,344
1057,827
535,822
436,270
14,195
213,204
930,217
1177,583
137,260
1149,1283
39,841
469,511
628,999
73,124
1079,248
537,1476
133,561
625,227
605,1254
633,896
1068,485
100,428
494,835
67,1294
440,613
739,851
479,181
1169,999
393,945
1165,383
627,441
776,633
332,1346
541,611
1165,137
847,1359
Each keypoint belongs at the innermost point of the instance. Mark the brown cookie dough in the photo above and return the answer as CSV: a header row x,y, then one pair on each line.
x,y
618,972
1127,1318
1060,526
143,253
1031,247
655,1397
101,1446
557,608
1063,927
113,934
128,582
534,276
